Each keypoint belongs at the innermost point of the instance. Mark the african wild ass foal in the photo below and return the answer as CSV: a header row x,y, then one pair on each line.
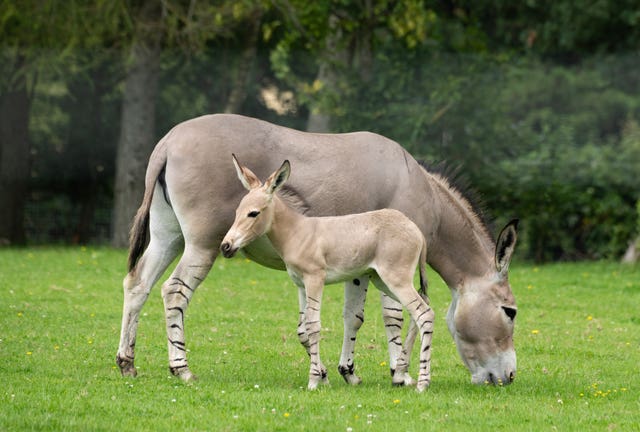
x,y
384,244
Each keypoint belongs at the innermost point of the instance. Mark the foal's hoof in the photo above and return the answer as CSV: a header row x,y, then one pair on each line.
x,y
402,379
422,385
127,369
352,379
315,381
183,373
347,373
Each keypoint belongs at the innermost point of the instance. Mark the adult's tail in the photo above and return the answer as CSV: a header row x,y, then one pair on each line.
x,y
140,227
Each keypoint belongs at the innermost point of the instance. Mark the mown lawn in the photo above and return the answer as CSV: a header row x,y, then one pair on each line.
x,y
577,339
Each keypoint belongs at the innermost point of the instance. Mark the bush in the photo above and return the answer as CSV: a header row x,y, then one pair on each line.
x,y
554,145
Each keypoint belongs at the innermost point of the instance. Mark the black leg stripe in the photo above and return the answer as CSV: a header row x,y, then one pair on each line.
x,y
181,282
180,293
177,344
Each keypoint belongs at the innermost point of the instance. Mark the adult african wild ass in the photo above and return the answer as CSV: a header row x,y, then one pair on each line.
x,y
191,193
383,244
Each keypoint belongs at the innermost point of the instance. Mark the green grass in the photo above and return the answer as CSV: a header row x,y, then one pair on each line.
x,y
577,339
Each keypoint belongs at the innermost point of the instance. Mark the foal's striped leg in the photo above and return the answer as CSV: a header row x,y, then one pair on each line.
x,y
317,371
423,316
355,294
176,293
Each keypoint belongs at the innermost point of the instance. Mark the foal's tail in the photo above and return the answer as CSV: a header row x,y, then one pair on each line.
x,y
422,264
140,226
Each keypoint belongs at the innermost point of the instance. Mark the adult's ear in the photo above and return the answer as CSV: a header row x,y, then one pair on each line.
x,y
505,245
247,177
277,179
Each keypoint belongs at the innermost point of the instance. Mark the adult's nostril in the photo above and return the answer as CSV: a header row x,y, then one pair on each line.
x,y
225,247
512,376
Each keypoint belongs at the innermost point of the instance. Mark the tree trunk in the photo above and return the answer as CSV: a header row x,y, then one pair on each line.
x,y
240,79
15,160
319,121
633,252
337,56
319,116
137,135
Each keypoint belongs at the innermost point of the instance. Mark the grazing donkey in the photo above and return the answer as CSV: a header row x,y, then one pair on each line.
x,y
384,244
191,194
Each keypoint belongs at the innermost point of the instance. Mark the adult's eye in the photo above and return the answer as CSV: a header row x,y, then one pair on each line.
x,y
253,214
511,312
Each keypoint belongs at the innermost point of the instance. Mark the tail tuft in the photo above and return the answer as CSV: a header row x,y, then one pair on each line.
x,y
138,236
140,227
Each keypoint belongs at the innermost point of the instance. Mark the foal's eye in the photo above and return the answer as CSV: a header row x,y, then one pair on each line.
x,y
511,312
253,214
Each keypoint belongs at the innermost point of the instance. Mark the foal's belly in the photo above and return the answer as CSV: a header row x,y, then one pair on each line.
x,y
345,275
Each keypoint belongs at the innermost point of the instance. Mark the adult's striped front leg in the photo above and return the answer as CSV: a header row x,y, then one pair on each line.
x,y
176,293
355,294
399,356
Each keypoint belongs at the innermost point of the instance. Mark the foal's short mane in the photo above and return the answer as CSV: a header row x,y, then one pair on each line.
x,y
451,178
292,197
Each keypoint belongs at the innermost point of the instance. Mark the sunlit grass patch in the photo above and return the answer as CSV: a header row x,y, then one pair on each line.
x,y
577,339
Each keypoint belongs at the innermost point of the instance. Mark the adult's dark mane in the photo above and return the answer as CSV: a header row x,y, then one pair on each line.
x,y
457,181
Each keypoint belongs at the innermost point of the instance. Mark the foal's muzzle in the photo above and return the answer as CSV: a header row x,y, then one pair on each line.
x,y
227,250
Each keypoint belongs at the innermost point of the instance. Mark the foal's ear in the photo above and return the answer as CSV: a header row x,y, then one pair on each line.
x,y
505,246
277,179
247,177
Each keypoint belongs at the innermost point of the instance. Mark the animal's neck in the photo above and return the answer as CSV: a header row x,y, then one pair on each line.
x,y
462,248
286,221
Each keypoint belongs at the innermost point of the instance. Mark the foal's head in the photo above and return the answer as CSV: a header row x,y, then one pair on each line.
x,y
254,214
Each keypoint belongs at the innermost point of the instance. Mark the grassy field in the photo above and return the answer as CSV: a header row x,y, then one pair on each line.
x,y
577,339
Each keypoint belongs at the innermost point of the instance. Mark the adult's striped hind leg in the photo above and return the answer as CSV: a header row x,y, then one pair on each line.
x,y
177,292
393,322
164,246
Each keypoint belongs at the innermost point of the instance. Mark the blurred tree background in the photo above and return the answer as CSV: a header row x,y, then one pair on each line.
x,y
536,102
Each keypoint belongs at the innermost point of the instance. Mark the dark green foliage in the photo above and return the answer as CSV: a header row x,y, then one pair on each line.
x,y
535,101
557,146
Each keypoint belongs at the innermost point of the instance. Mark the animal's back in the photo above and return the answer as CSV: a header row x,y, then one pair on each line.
x,y
333,173
366,240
